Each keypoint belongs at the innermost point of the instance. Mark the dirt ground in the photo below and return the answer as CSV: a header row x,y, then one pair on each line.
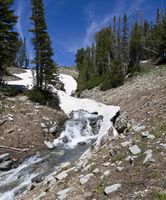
x,y
23,128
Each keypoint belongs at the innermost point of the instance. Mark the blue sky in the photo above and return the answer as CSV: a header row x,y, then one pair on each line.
x,y
73,23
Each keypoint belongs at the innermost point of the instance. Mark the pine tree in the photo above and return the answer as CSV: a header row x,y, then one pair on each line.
x,y
104,50
135,48
45,66
22,57
8,37
125,36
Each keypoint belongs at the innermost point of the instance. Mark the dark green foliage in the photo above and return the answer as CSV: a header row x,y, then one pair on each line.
x,y
9,91
117,54
22,57
44,97
115,77
104,50
8,37
45,66
135,48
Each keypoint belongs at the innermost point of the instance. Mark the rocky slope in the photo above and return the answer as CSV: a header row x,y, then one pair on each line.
x,y
131,166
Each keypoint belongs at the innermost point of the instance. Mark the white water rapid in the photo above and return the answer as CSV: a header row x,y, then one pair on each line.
x,y
88,121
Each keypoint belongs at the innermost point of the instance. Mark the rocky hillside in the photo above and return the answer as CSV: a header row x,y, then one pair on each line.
x,y
131,166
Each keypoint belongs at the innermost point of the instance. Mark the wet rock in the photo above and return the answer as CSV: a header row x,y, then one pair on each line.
x,y
65,140
38,179
113,120
134,149
81,143
6,165
63,193
31,187
112,188
121,123
84,179
4,157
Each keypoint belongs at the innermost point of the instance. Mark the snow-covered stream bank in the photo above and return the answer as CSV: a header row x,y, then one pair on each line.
x,y
88,122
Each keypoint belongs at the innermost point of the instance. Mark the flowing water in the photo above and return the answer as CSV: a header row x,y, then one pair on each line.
x,y
88,122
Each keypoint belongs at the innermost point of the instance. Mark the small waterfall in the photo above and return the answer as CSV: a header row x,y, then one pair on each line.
x,y
88,122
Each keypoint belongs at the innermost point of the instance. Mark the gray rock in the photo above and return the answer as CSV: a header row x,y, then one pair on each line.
x,y
120,169
152,137
43,125
134,149
63,193
84,179
53,129
112,188
95,171
106,164
6,165
43,194
148,157
49,144
4,157
126,143
61,176
145,134
106,173
31,187
138,128
2,121
163,145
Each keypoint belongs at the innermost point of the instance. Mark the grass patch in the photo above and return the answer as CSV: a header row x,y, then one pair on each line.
x,y
100,188
44,97
158,196
118,157
9,91
159,129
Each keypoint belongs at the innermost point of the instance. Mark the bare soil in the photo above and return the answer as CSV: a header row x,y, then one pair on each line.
x,y
25,130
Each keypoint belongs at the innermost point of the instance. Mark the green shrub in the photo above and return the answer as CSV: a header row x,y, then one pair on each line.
x,y
10,91
158,196
44,97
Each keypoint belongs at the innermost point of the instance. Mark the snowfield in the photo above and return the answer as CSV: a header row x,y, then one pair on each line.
x,y
69,104
26,79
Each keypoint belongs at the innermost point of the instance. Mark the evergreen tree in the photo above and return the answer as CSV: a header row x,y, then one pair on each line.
x,y
104,50
8,37
22,57
125,37
135,48
45,67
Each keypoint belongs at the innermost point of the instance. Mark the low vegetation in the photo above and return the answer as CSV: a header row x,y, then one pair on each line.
x,y
44,97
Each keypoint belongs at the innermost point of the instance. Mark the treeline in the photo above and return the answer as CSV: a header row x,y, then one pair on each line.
x,y
13,51
117,51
